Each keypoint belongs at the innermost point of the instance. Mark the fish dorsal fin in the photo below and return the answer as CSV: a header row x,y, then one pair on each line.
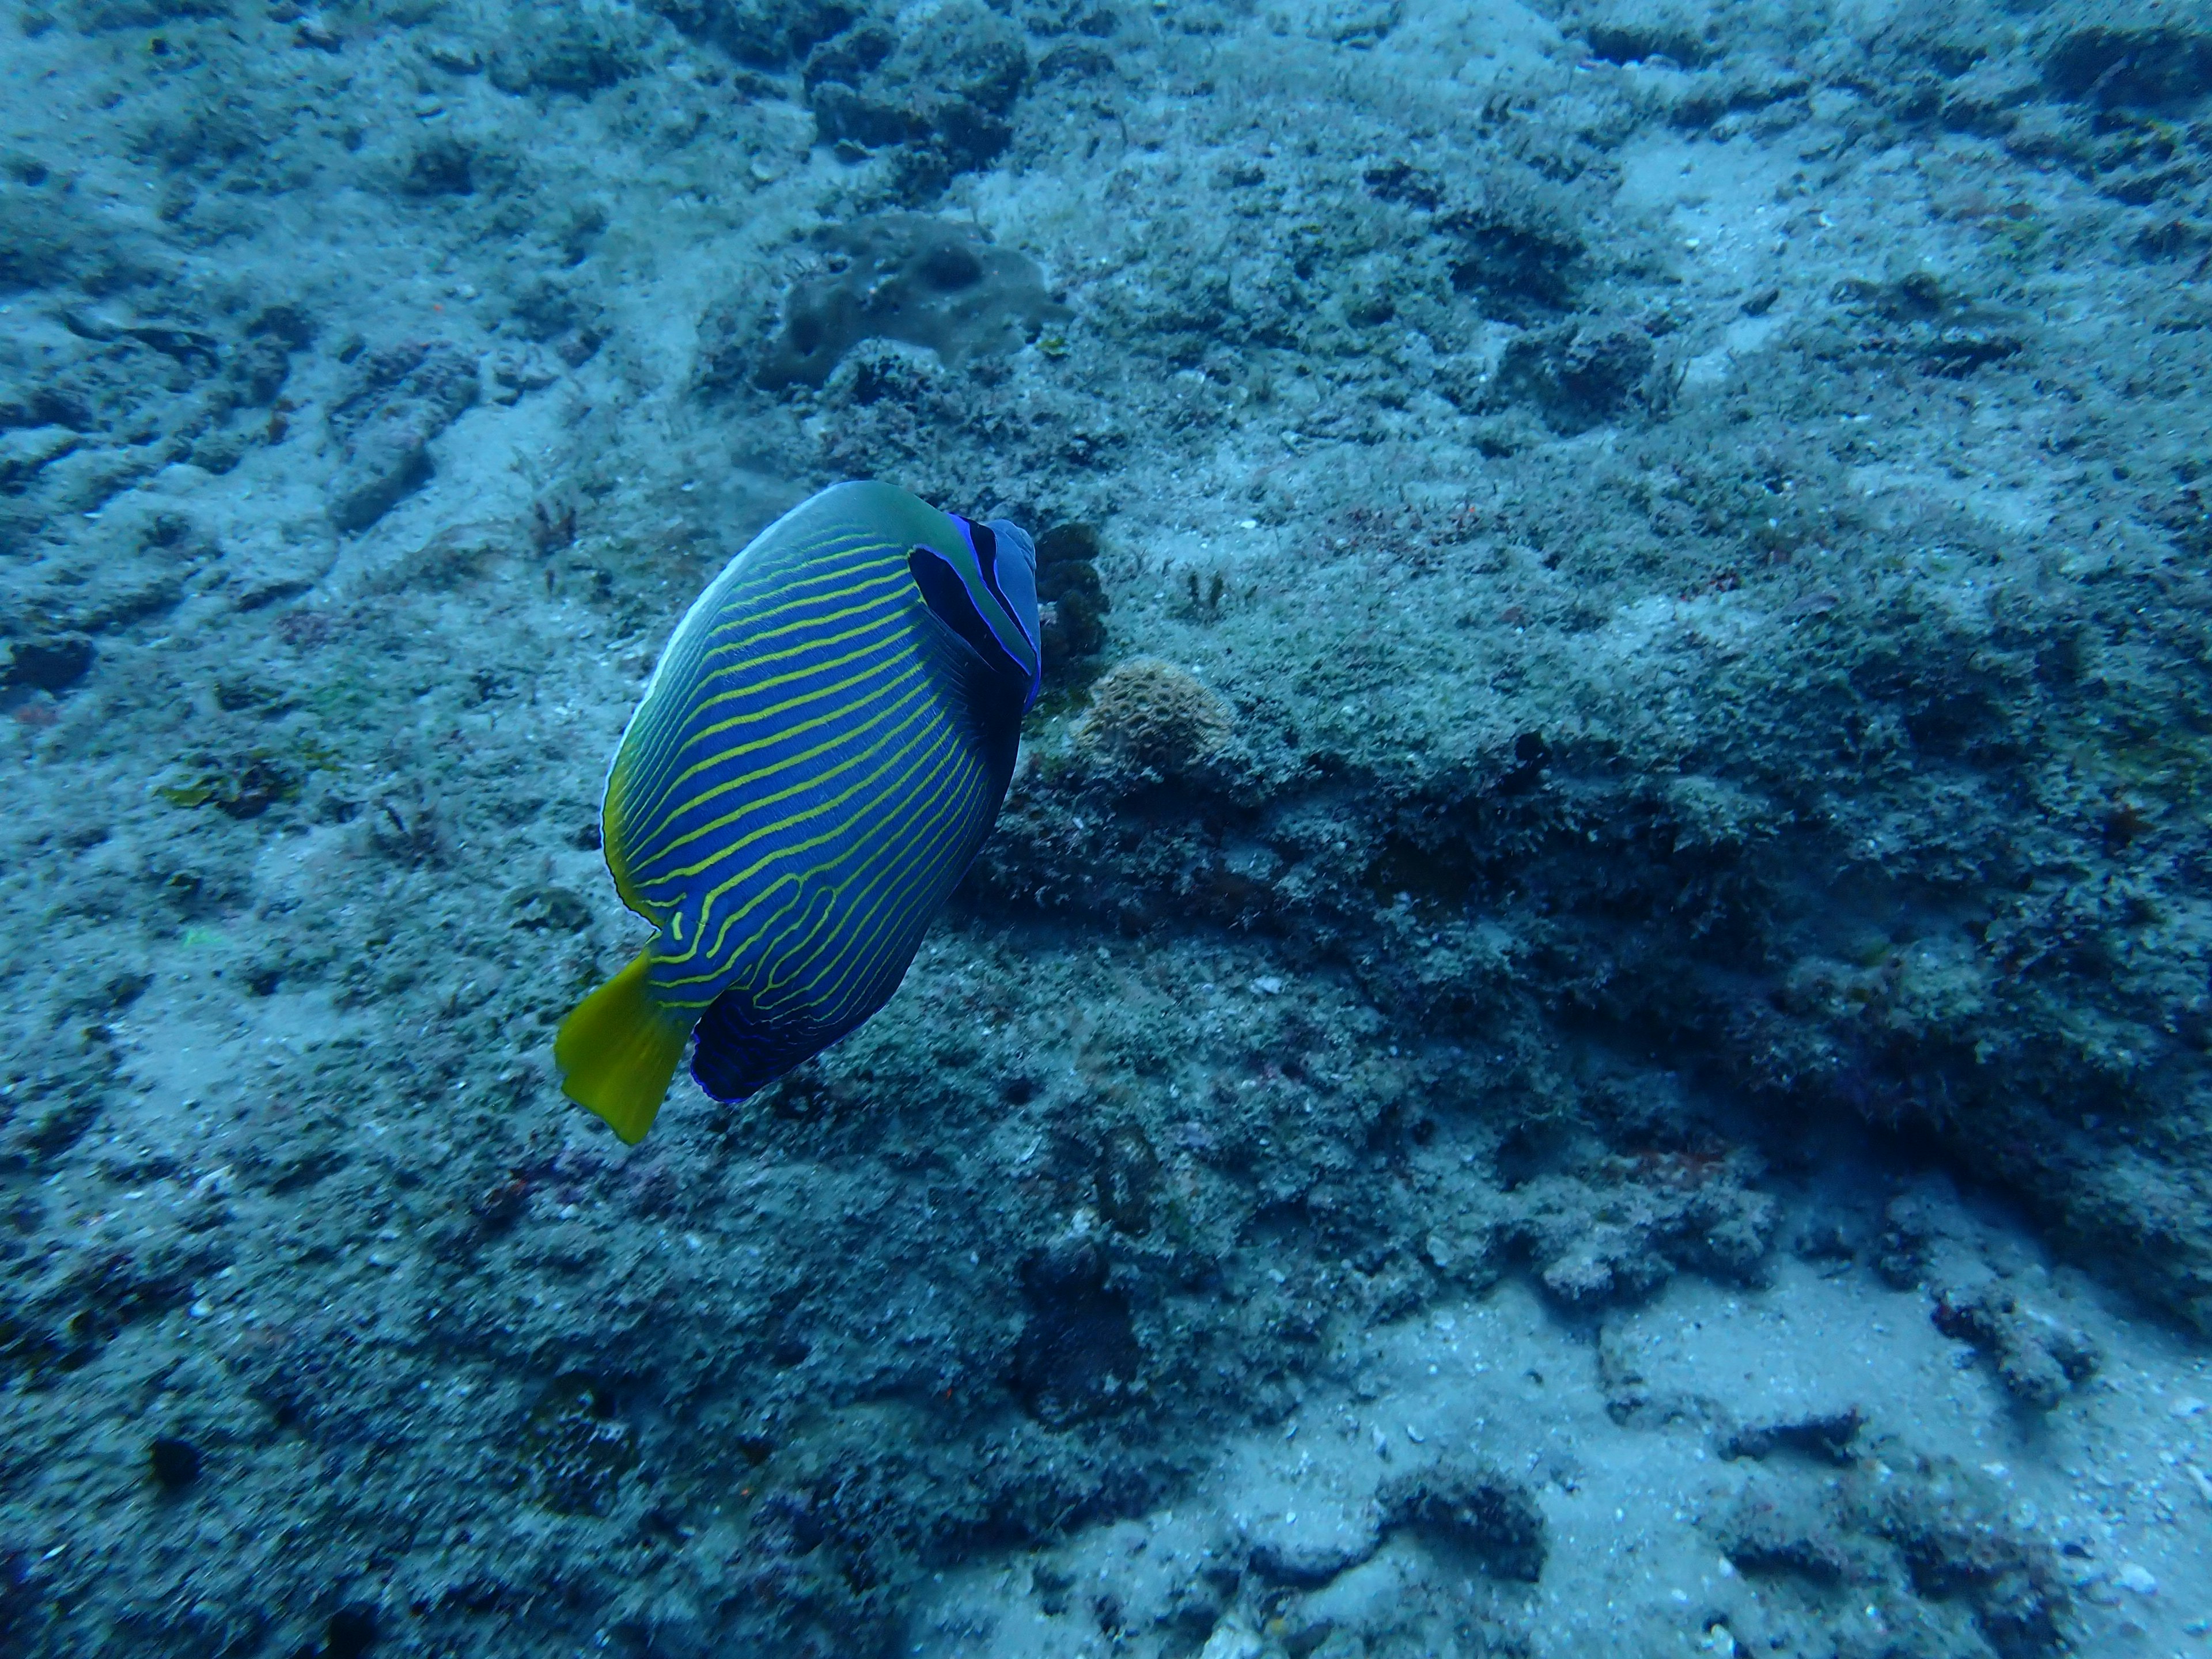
x,y
954,604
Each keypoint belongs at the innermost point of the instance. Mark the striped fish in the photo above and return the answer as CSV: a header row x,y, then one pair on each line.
x,y
825,745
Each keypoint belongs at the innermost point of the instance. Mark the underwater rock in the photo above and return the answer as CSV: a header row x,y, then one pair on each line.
x,y
1827,1437
1232,1640
1306,1548
1951,1530
2039,1360
941,84
576,1449
1928,1537
1466,1248
928,281
28,450
1775,1530
1579,376
399,398
1074,629
1931,671
96,16
40,243
1918,319
1078,1353
1129,1179
2111,63
1592,1243
1472,1506
558,48
1517,252
870,1489
439,166
1910,1226
1630,34
767,33
80,1300
119,392
1075,60
52,663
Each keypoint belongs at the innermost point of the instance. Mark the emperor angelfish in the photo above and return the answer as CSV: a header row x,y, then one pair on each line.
x,y
822,747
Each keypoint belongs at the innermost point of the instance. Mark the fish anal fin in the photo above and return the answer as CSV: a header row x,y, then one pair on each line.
x,y
617,1053
740,1054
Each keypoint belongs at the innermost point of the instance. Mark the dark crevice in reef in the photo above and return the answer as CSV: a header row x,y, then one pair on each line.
x,y
1558,891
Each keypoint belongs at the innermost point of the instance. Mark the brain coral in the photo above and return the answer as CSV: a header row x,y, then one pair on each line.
x,y
1148,714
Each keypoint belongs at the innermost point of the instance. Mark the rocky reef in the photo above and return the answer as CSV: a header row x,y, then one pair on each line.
x,y
1588,1022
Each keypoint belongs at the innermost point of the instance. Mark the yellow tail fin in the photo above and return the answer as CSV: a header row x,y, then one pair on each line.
x,y
616,1053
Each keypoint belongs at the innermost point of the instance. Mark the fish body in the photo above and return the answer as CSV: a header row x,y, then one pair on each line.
x,y
823,745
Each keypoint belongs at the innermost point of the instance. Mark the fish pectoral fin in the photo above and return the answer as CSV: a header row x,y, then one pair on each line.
x,y
617,1053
